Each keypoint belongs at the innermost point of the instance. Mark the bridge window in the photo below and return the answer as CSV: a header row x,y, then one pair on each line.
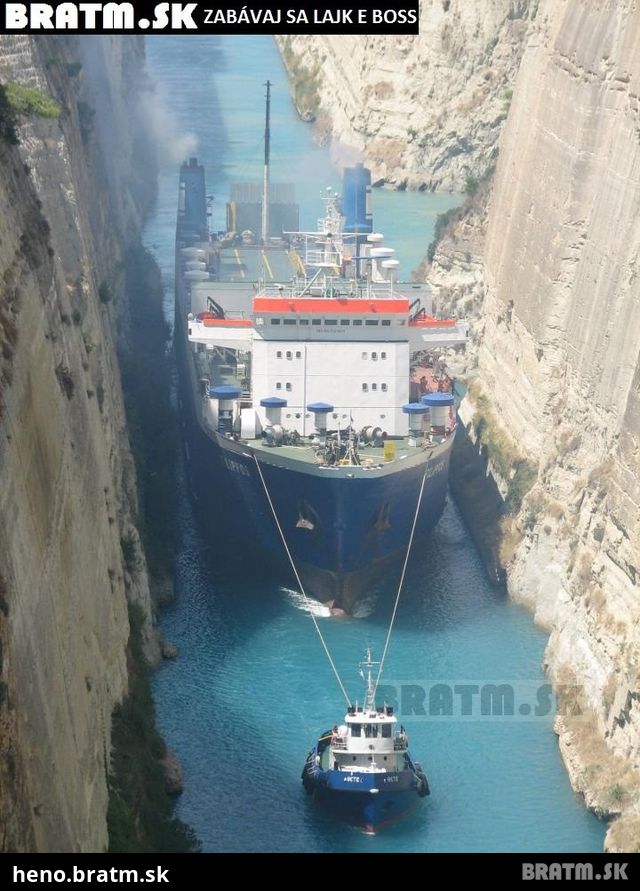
x,y
275,321
374,355
298,354
365,355
290,321
383,387
365,388
383,355
345,321
355,730
366,321
316,321
357,321
278,386
303,321
288,354
279,354
386,322
287,386
386,730
331,321
374,386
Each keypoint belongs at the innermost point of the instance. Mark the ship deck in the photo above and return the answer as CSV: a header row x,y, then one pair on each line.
x,y
370,456
248,263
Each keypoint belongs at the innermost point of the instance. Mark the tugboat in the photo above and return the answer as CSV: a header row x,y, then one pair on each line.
x,y
362,770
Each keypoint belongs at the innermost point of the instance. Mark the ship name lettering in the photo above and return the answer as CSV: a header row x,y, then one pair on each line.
x,y
352,779
236,466
391,779
435,470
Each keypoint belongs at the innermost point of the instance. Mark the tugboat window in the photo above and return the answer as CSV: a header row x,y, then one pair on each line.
x,y
386,730
355,730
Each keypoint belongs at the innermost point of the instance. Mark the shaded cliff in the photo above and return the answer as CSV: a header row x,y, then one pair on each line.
x,y
71,200
423,111
557,309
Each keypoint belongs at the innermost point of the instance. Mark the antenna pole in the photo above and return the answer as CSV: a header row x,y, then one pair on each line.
x,y
267,148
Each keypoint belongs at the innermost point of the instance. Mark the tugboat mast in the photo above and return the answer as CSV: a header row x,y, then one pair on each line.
x,y
369,704
265,184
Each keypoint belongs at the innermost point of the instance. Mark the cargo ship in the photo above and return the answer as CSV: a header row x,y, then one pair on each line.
x,y
316,402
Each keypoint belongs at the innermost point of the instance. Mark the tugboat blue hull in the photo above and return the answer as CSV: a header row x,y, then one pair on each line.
x,y
369,800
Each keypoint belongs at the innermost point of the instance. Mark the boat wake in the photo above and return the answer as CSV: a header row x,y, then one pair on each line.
x,y
297,600
363,608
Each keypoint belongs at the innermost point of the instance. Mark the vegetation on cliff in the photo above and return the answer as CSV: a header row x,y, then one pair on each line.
x,y
305,82
25,101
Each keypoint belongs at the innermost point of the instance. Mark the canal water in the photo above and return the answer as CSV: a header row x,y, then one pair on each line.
x,y
251,688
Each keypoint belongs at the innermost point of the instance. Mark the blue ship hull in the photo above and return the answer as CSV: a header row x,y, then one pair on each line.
x,y
369,800
361,527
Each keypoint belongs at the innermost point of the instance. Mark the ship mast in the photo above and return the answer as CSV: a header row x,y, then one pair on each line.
x,y
265,184
370,693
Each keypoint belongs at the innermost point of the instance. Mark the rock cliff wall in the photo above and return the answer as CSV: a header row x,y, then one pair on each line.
x,y
558,306
425,111
69,553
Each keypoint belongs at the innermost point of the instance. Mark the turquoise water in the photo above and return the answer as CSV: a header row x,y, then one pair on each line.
x,y
251,688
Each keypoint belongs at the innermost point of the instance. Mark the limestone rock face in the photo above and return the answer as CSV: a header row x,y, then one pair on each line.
x,y
559,359
422,111
67,482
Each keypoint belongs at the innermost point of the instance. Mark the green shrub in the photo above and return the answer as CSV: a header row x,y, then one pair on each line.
x,y
442,221
26,101
471,184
